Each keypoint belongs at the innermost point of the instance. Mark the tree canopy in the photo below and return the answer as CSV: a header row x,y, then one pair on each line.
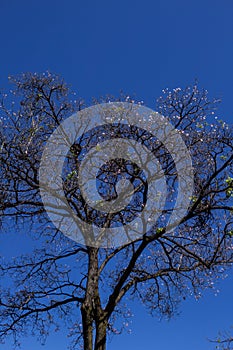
x,y
87,286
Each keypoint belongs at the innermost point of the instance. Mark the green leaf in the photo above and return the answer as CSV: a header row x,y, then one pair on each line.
x,y
193,199
159,230
72,174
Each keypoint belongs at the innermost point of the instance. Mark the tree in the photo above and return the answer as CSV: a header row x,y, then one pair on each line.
x,y
224,341
89,282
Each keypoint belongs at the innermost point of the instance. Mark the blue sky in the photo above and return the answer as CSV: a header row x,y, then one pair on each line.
x,y
101,47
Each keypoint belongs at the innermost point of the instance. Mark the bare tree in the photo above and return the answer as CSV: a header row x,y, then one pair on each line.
x,y
88,286
224,341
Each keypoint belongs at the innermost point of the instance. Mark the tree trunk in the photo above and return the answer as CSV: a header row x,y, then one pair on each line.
x,y
92,312
87,329
100,337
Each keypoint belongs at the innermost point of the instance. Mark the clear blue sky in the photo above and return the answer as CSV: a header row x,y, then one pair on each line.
x,y
101,47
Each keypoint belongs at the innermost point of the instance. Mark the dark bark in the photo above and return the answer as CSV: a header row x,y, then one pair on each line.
x,y
100,339
92,312
87,329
